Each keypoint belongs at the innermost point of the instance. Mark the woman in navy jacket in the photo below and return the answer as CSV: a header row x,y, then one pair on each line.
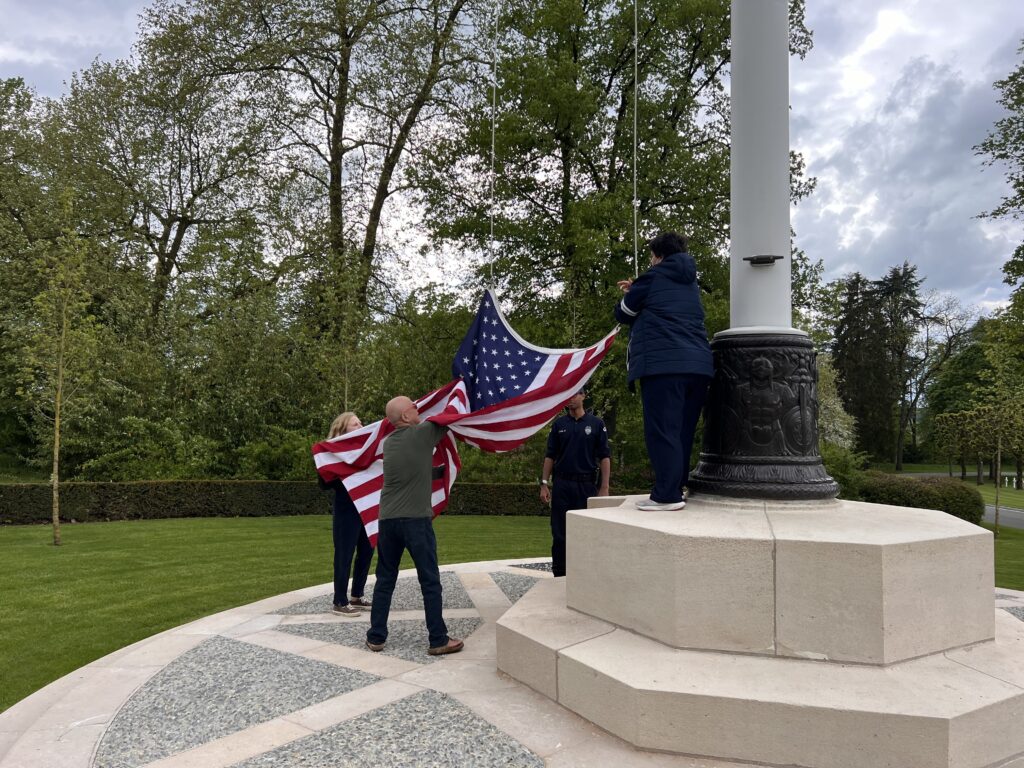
x,y
670,356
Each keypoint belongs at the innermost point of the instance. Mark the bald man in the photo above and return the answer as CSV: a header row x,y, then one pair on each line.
x,y
406,517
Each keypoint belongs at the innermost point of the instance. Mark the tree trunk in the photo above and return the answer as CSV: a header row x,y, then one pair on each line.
x,y
963,467
1019,485
57,398
999,463
981,471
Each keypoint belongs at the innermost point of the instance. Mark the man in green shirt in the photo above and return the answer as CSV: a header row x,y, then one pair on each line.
x,y
405,523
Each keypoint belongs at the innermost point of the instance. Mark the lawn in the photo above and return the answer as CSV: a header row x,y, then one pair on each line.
x,y
1009,557
112,584
1008,497
13,471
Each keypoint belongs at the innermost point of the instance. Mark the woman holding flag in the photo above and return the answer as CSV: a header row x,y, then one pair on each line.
x,y
349,535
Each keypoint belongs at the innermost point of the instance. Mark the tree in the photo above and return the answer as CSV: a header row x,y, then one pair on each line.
x,y
59,340
1005,146
866,382
1003,383
943,330
161,154
23,221
356,87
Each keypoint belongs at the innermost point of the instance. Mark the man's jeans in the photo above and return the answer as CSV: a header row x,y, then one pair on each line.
x,y
394,536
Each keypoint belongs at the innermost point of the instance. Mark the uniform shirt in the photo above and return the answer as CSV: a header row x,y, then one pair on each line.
x,y
577,445
408,459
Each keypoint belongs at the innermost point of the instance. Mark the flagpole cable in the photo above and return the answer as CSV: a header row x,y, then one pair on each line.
x,y
494,122
636,87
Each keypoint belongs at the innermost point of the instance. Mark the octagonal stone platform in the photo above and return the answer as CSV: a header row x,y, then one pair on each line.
x,y
828,635
839,580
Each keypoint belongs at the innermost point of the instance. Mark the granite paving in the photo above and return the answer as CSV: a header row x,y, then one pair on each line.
x,y
1018,612
512,584
407,597
447,735
216,689
535,566
407,638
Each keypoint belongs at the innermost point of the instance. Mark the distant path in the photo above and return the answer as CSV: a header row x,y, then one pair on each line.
x,y
1011,518
1008,516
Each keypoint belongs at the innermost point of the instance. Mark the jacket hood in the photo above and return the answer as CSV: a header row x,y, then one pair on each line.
x,y
679,268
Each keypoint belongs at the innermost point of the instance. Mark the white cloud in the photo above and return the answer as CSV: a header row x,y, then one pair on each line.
x,y
45,42
887,109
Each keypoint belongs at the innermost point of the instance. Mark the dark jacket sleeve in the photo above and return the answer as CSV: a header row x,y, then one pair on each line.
x,y
627,310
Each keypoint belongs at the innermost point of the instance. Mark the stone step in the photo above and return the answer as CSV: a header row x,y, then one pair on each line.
x,y
958,709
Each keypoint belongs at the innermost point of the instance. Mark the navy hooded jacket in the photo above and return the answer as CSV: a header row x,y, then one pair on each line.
x,y
663,307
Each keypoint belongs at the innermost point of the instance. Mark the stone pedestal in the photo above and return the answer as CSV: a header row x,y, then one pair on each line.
x,y
826,635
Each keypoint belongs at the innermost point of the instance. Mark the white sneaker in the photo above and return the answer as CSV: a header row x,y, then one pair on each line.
x,y
648,505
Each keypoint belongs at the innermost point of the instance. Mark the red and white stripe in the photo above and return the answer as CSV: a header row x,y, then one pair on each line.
x,y
357,457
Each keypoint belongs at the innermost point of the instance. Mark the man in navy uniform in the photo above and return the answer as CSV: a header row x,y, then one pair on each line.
x,y
579,462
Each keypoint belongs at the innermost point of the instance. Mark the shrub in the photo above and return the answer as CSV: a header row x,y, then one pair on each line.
x,y
958,499
90,502
943,493
845,467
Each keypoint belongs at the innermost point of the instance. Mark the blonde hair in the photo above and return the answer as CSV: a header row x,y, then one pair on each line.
x,y
340,425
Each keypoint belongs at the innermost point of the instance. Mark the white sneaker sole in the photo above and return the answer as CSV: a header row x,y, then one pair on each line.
x,y
667,507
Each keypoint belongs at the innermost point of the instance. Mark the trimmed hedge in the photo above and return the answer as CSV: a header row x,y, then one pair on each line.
x,y
944,493
23,503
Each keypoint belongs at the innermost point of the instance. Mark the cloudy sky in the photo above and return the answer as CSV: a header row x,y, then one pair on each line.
x,y
886,109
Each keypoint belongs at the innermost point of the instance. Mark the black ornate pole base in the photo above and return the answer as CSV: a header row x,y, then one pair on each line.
x,y
761,421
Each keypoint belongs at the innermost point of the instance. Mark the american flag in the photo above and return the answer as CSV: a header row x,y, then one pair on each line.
x,y
505,391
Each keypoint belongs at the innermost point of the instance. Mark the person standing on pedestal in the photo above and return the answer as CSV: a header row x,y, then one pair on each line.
x,y
579,461
669,354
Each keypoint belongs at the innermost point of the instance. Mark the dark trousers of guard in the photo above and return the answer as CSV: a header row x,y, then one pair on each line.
x,y
394,536
565,495
672,406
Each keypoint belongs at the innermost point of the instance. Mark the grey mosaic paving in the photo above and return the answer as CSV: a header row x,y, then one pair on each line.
x,y
535,566
1006,596
512,584
219,687
407,638
407,597
1018,612
447,735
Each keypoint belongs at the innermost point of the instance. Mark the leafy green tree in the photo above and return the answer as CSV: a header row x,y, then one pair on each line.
x,y
355,88
22,223
866,386
161,154
1005,146
59,339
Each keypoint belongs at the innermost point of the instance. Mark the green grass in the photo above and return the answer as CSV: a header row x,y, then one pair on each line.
x,y
111,584
13,471
1009,557
1008,497
887,466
